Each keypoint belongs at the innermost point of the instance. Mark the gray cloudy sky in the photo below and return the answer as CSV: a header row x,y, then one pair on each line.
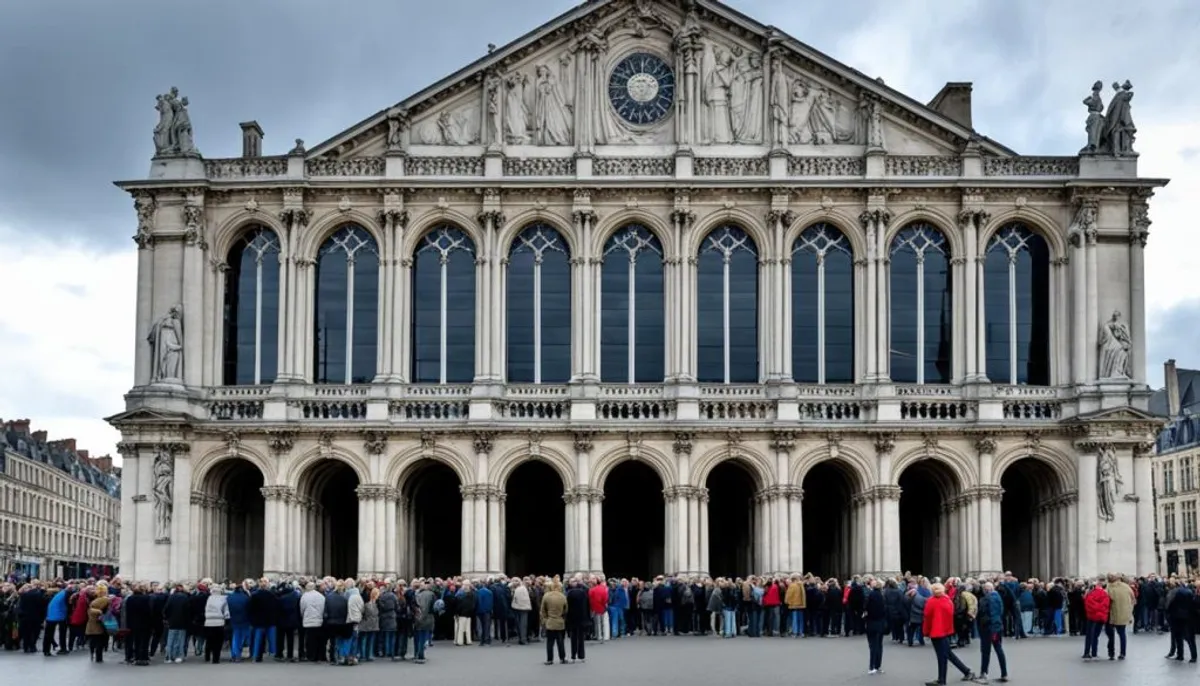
x,y
79,77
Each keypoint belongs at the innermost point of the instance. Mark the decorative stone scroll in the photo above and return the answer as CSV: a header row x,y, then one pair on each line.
x,y
683,443
483,441
583,441
145,205
281,442
375,442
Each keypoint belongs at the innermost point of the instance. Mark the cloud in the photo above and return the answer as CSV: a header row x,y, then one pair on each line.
x,y
83,116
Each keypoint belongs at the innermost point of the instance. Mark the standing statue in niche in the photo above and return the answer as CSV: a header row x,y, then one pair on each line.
x,y
173,134
493,87
1108,484
746,99
516,112
395,122
821,117
717,90
798,114
1095,120
164,477
1119,131
1115,347
551,114
166,347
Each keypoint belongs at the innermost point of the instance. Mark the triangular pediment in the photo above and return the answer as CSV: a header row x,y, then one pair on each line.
x,y
1117,415
144,415
750,84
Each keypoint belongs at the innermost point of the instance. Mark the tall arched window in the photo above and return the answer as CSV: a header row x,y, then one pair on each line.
x,y
921,311
632,308
443,306
251,331
347,306
539,307
727,307
822,306
1016,301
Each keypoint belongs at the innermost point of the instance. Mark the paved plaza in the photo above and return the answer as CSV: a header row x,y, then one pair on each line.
x,y
627,662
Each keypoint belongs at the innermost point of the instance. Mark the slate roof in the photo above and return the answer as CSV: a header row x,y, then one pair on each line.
x,y
1183,430
63,460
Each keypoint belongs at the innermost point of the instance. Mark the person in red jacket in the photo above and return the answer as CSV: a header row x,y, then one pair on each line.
x,y
598,605
938,625
1095,610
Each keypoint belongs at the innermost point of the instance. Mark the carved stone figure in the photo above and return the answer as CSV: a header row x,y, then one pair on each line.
x,y
718,86
551,114
798,114
164,477
1108,484
746,99
516,111
166,345
173,134
1095,119
780,100
453,127
821,117
1115,346
493,87
1118,134
396,125
298,149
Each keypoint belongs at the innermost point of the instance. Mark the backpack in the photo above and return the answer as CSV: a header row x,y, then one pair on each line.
x,y
110,621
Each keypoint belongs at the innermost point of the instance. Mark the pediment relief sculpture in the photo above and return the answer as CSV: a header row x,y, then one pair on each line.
x,y
451,126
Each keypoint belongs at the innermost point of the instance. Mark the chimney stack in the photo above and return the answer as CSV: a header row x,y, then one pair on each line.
x,y
83,454
103,463
19,426
954,102
252,135
67,444
40,436
1172,378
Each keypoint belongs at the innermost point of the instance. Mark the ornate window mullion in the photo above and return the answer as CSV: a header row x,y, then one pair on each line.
x,y
537,318
349,318
920,318
725,311
1012,317
442,317
258,298
632,317
821,317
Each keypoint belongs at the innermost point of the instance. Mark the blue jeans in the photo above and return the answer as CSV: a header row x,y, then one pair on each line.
x,y
1091,641
366,646
176,643
986,646
668,620
1109,630
1058,624
389,643
941,648
772,620
729,623
401,644
345,647
241,637
260,635
616,622
914,633
485,628
422,638
797,623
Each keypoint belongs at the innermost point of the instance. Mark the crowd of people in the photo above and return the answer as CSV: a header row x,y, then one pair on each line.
x,y
346,622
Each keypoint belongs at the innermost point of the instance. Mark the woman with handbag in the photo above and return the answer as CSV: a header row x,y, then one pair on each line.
x,y
99,620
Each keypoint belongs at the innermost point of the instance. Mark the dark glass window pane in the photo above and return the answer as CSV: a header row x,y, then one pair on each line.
x,y
920,244
732,244
650,316
839,318
903,299
636,245
350,248
1030,284
539,250
838,264
520,317
996,319
453,247
258,246
556,318
939,319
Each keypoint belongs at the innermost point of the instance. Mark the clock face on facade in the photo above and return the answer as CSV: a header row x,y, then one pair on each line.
x,y
642,89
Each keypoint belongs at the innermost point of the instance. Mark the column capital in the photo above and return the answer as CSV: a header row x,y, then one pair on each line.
x,y
583,441
683,443
885,443
887,492
483,441
783,441
371,491
276,493
985,444
375,442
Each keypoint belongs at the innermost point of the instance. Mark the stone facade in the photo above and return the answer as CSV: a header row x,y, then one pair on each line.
x,y
59,509
720,137
1176,460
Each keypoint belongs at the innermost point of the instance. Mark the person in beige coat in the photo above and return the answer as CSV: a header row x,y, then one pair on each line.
x,y
553,613
1120,612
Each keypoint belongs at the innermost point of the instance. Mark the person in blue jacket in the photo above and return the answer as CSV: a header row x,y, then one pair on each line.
x,y
618,603
483,613
990,619
56,618
239,621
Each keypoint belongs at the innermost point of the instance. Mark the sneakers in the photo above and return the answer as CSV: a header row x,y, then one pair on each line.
x,y
179,660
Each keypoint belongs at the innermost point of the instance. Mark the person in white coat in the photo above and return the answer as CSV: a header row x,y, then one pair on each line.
x,y
216,613
312,615
521,606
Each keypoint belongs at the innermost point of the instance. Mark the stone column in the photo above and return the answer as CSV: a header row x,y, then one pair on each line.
x,y
181,517
194,253
1139,233
1087,530
670,566
1079,300
596,535
1143,488
787,537
366,529
702,498
196,568
953,555
870,303
571,564
146,207
1071,500
970,222
888,498
468,529
583,523
693,556
494,561
390,566
795,517
132,463
479,555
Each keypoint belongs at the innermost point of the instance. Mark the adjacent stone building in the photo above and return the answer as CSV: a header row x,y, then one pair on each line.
x,y
60,509
1176,459
653,288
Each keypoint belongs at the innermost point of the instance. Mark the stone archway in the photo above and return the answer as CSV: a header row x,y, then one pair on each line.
x,y
232,535
535,520
431,515
733,521
930,537
331,547
1034,528
634,516
828,536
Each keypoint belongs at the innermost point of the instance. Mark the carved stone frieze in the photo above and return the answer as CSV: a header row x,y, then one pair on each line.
x,y
539,166
826,166
922,165
483,442
1031,166
354,166
245,168
730,166
634,166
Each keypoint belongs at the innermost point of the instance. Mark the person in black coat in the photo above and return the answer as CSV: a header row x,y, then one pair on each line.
x,y
897,615
1180,610
287,622
854,608
196,602
31,612
579,618
176,615
140,620
501,610
875,621
158,600
263,612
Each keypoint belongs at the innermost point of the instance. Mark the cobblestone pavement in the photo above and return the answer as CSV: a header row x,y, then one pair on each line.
x,y
631,662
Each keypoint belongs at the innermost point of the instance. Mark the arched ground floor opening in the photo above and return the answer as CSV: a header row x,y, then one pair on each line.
x,y
828,539
432,522
231,521
731,520
633,522
929,540
332,542
1034,526
534,521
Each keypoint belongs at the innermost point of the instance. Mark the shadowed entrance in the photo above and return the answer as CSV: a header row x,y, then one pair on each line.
x,y
731,524
334,543
233,548
925,531
1031,521
633,524
434,521
827,490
